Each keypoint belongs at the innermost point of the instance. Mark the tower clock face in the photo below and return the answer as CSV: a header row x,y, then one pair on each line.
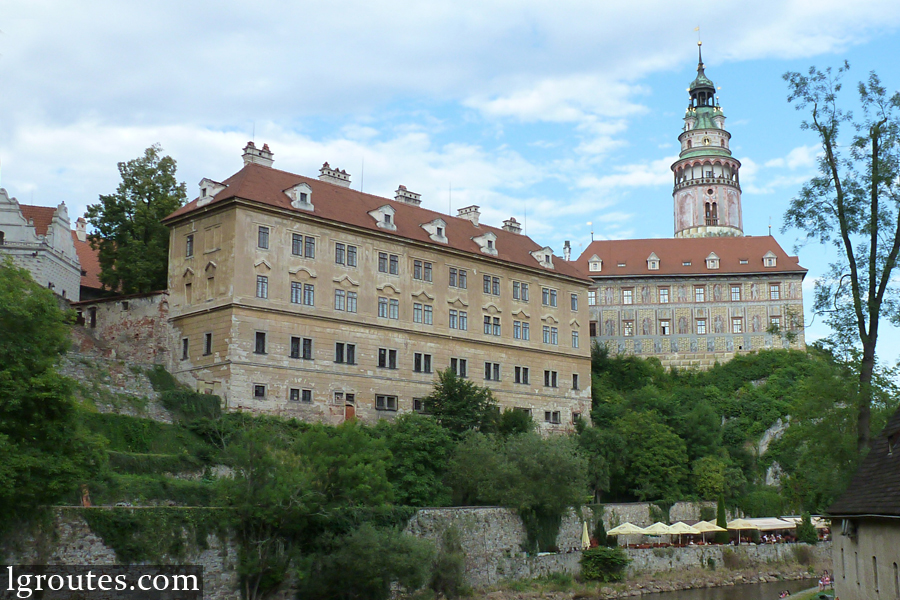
x,y
706,141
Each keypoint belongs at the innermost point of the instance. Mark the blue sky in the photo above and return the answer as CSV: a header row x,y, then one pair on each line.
x,y
557,113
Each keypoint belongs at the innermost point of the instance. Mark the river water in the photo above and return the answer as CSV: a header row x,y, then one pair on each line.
x,y
758,591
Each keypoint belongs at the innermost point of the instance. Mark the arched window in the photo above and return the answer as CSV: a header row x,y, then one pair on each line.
x,y
690,144
715,212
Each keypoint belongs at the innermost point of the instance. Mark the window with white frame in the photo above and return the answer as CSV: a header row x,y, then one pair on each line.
x,y
774,291
574,339
574,302
492,371
457,278
262,286
521,375
262,239
701,326
551,378
552,416
387,358
735,293
628,328
460,367
699,294
421,362
386,402
665,327
737,325
663,295
628,296
345,353
592,297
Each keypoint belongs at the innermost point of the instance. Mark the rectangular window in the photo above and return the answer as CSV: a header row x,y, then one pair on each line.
x,y
546,334
460,367
394,265
382,262
592,297
552,297
262,286
421,363
386,403
522,375
453,322
340,300
699,294
417,269
310,247
526,331
259,391
260,346
774,291
189,246
340,253
487,325
552,417
628,296
351,256
574,381
345,353
309,294
296,246
517,330
351,302
701,326
737,325
263,238
515,290
775,322
574,301
665,328
296,292
395,308
554,336
295,347
452,279
429,314
545,296
184,349
524,292
307,349
306,396
462,279
492,371
496,326
294,395
735,293
419,405
663,295
550,379
387,358
207,344
417,312
463,320
574,339
424,270
487,284
495,286
593,328
628,328
383,307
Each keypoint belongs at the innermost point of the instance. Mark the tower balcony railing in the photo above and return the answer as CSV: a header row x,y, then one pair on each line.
x,y
711,221
708,181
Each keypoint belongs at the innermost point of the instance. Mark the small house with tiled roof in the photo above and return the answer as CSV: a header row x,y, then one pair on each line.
x,y
39,238
710,292
304,297
866,523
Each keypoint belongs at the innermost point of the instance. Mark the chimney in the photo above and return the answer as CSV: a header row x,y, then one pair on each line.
x,y
567,251
335,176
254,155
469,213
81,229
512,225
407,197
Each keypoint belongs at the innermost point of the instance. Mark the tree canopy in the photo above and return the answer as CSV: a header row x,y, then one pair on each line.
x,y
133,244
854,205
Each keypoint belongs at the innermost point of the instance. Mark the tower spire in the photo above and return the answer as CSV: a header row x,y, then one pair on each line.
x,y
699,56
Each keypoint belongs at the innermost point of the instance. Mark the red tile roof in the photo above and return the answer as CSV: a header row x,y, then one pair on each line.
x,y
344,205
41,215
674,252
90,263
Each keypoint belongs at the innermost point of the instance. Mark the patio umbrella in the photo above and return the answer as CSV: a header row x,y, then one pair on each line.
x,y
585,537
657,529
740,525
705,526
680,528
626,529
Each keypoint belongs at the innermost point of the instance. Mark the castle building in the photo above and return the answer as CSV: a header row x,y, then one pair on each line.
x,y
710,292
39,238
302,297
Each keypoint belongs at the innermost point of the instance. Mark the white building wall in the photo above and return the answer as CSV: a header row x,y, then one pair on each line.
x,y
867,565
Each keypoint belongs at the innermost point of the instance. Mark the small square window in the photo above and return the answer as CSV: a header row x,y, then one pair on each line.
x,y
259,391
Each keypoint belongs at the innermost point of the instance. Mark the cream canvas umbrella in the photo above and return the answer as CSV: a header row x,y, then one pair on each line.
x,y
626,529
657,529
585,537
740,525
680,528
705,526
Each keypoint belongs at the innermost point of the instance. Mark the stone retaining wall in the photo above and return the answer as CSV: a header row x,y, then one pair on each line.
x,y
656,560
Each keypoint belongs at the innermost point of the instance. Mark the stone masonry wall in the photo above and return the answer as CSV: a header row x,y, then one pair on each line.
x,y
656,560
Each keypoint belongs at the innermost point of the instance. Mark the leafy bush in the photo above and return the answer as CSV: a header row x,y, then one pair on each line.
x,y
763,502
449,570
190,405
149,489
148,463
604,564
803,554
732,560
805,530
707,513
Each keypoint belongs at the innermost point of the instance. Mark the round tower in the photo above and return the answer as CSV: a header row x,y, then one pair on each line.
x,y
707,190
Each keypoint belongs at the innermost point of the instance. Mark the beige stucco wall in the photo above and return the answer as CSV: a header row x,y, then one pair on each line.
x,y
867,566
233,314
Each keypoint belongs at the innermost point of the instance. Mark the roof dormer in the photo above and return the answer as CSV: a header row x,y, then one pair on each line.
x,y
301,196
544,256
437,230
770,259
487,242
208,190
653,262
384,217
595,264
712,261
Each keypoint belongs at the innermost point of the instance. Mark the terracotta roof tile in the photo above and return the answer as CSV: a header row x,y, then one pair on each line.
x,y
90,263
336,203
875,489
673,253
41,215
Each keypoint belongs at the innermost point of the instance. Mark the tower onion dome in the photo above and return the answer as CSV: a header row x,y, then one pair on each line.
x,y
702,90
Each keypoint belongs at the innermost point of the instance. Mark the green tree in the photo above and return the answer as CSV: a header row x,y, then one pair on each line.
x,y
514,422
854,204
133,244
806,532
721,521
655,457
708,476
460,405
421,451
44,453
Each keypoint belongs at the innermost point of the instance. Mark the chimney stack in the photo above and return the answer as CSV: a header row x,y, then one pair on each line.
x,y
254,155
567,251
335,176
407,197
81,229
512,225
469,213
